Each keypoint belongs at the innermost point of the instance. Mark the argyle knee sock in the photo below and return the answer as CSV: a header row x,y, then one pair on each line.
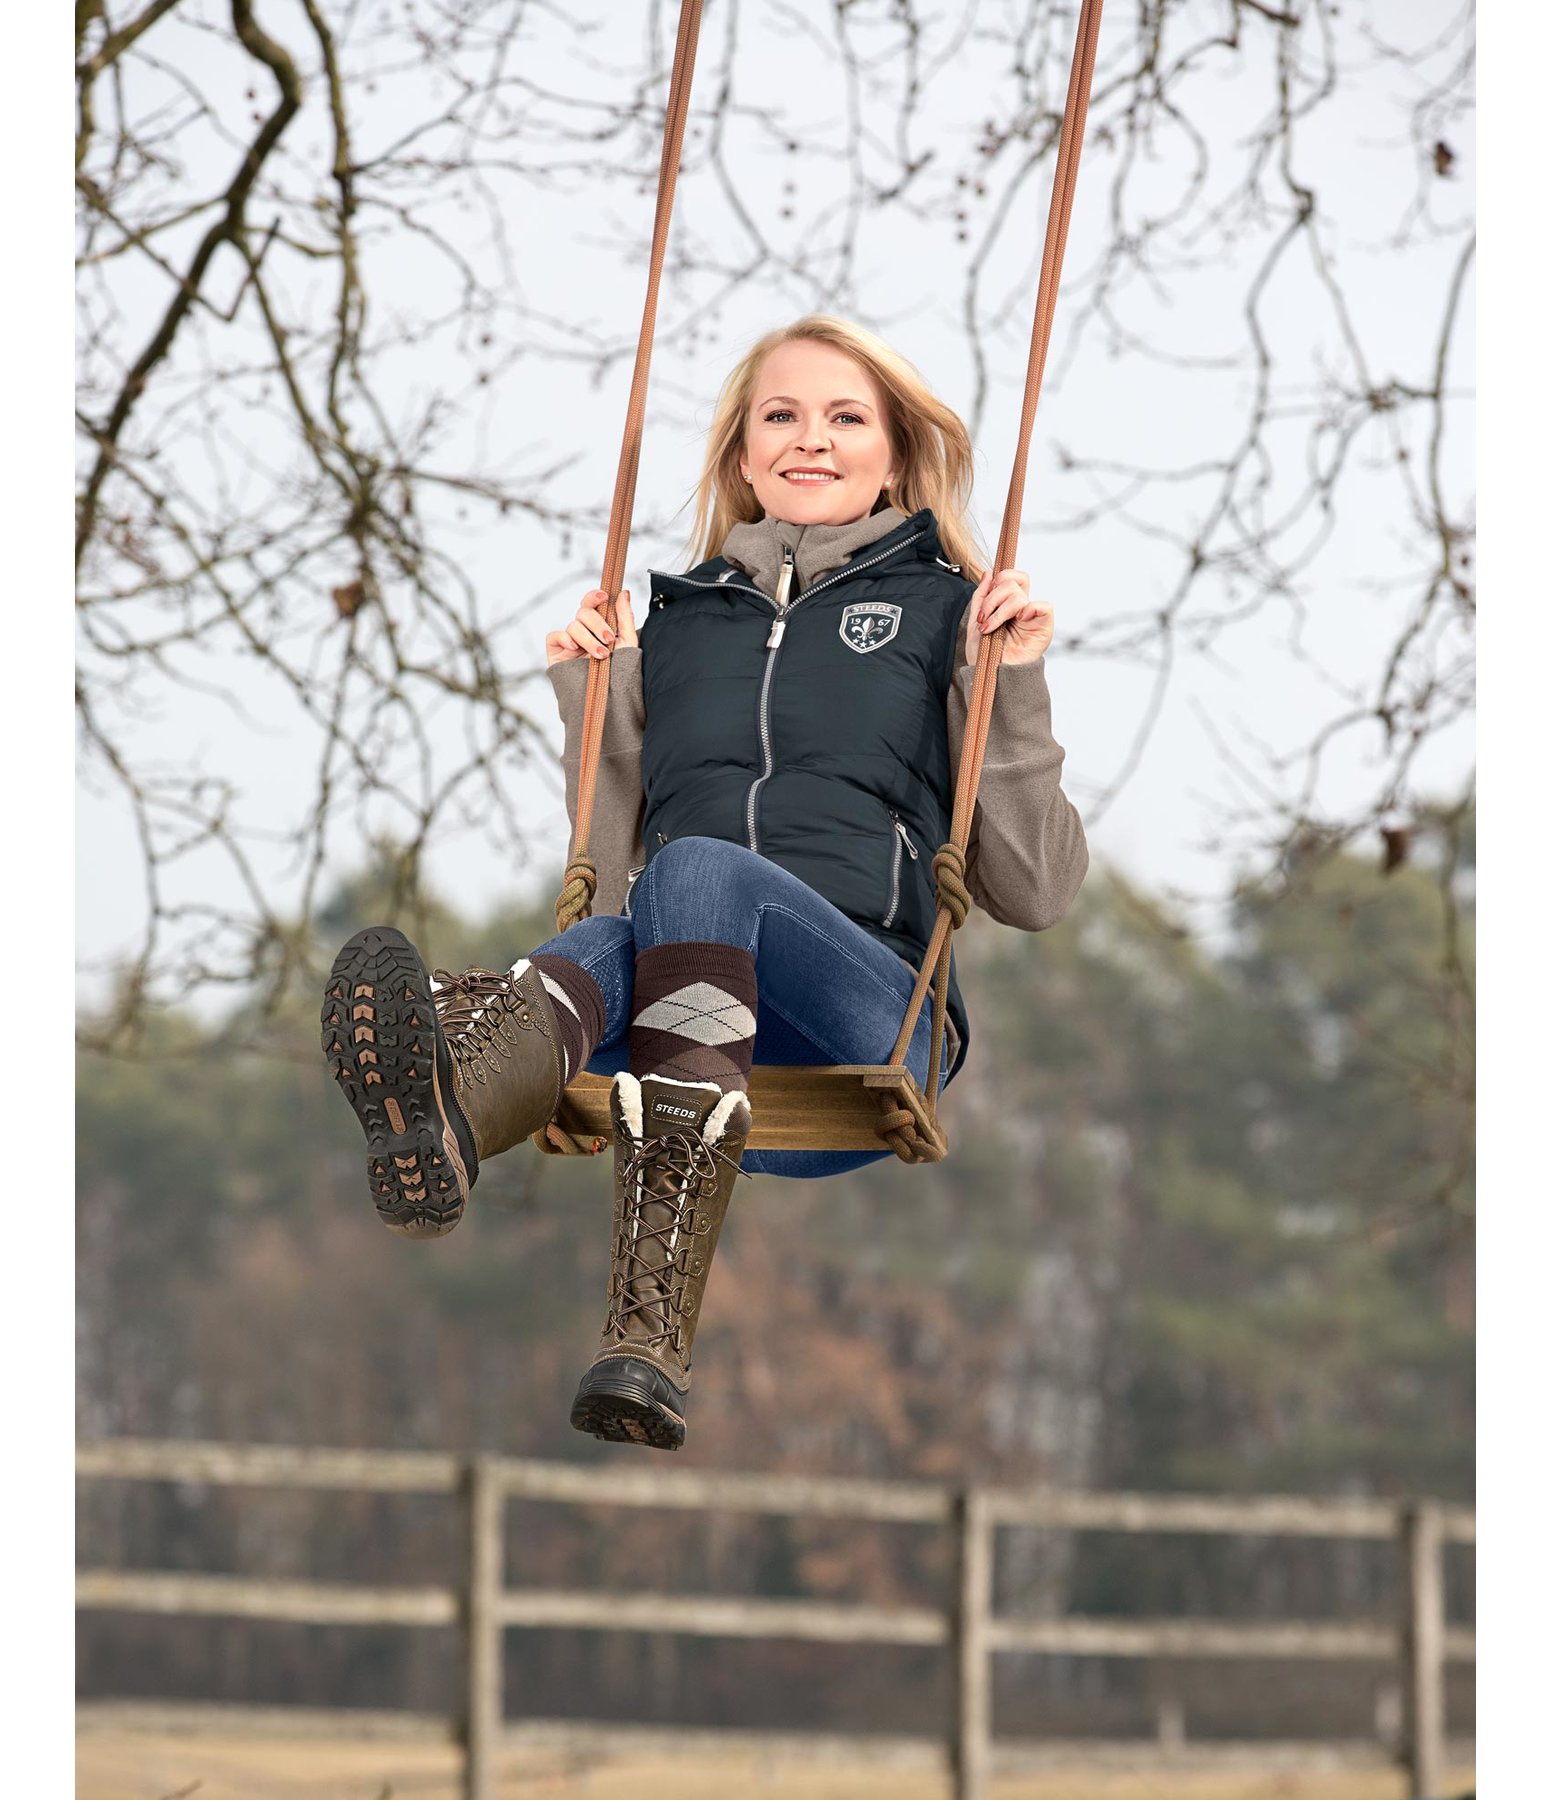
x,y
580,1015
695,1013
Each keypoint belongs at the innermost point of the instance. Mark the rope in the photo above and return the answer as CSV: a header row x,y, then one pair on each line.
x,y
575,901
948,865
898,1127
575,897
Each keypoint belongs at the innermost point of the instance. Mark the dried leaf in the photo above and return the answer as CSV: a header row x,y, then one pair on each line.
x,y
1396,847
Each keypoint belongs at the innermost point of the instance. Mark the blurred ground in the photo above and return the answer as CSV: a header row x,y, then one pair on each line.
x,y
133,1766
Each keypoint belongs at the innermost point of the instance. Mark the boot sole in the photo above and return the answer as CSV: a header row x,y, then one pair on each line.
x,y
621,1408
382,1045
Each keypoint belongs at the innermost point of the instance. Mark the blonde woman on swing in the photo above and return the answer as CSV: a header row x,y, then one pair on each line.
x,y
778,763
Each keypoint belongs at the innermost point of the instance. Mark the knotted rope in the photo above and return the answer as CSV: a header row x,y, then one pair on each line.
x,y
575,897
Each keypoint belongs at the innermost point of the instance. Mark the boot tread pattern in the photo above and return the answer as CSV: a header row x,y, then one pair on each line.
x,y
379,1031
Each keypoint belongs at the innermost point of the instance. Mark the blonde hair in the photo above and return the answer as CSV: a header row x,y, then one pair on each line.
x,y
934,459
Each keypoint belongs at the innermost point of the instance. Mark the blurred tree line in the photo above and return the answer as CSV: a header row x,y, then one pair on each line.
x,y
1207,1225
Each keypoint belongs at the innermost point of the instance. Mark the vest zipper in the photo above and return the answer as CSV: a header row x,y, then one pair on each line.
x,y
784,607
772,648
788,569
856,568
771,645
901,843
725,587
742,587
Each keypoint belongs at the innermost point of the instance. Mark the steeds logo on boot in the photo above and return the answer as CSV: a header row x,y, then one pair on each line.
x,y
666,1109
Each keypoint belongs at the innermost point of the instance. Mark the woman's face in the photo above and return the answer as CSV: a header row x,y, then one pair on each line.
x,y
816,449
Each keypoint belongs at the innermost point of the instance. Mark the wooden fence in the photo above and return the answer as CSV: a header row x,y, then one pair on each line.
x,y
1420,1643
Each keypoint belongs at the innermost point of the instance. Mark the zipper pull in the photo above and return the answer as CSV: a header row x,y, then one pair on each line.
x,y
788,568
898,825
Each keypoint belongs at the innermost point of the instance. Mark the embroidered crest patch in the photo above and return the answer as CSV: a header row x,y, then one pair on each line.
x,y
869,625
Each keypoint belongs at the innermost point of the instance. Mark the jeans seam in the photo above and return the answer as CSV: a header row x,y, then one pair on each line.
x,y
776,906
833,1056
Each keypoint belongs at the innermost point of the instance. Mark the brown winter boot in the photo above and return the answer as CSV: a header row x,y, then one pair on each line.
x,y
440,1074
678,1147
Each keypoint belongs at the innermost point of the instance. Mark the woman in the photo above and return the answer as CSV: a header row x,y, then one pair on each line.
x,y
777,769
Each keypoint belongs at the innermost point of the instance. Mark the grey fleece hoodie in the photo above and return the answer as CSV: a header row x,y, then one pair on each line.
x,y
1027,852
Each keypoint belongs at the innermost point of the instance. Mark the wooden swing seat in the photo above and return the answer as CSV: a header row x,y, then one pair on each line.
x,y
793,1109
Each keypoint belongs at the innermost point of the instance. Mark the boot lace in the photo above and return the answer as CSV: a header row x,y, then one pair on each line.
x,y
664,1252
480,1013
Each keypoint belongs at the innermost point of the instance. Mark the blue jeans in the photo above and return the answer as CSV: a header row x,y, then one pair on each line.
x,y
829,992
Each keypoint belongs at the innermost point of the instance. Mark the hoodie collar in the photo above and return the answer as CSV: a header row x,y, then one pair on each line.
x,y
757,548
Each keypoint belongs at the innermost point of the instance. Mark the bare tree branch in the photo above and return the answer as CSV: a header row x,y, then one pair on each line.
x,y
320,509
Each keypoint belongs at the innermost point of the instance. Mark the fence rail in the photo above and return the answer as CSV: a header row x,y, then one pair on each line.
x,y
1420,1642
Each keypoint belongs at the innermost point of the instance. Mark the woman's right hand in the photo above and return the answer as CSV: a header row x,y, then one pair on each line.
x,y
588,634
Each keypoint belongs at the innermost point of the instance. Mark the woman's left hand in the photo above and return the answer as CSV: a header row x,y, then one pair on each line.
x,y
1030,624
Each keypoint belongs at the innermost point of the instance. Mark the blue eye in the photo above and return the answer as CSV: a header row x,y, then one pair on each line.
x,y
782,412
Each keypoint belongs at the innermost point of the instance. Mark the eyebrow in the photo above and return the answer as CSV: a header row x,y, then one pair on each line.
x,y
791,400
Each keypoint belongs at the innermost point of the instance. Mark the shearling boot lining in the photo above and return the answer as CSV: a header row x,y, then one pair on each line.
x,y
627,1087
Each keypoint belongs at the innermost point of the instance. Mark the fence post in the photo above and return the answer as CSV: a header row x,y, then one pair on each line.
x,y
1170,1723
975,1545
1420,1537
485,1501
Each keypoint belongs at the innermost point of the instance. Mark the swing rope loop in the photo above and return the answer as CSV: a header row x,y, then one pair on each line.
x,y
952,887
575,898
895,1125
899,1132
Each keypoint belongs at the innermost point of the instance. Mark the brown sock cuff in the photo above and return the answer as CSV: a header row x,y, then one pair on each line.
x,y
666,967
695,1012
581,1030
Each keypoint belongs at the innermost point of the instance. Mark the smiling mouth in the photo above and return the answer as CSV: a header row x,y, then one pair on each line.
x,y
804,475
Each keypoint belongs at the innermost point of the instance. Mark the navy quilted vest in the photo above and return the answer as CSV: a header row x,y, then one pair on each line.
x,y
825,750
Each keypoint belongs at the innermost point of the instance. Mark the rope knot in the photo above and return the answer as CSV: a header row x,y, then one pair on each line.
x,y
897,1128
575,899
952,887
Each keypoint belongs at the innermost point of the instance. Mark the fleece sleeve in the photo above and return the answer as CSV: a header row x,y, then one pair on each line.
x,y
620,804
1027,851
